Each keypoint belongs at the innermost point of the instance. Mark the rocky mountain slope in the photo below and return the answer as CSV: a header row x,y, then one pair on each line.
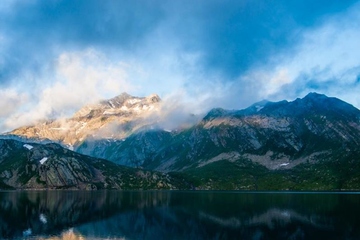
x,y
271,145
275,135
49,166
115,118
307,144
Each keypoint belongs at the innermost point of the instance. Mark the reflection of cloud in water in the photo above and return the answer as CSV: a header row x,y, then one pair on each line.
x,y
229,222
272,218
277,217
42,218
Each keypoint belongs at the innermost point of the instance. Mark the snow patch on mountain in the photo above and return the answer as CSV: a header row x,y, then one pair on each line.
x,y
258,108
43,160
284,164
133,101
28,146
111,104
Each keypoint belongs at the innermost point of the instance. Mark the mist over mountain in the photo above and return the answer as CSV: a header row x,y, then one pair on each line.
x,y
269,145
285,141
290,129
116,118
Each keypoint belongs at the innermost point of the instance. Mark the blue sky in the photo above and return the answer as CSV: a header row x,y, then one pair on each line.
x,y
56,56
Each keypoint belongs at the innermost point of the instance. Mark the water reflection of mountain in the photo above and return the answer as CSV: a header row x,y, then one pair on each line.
x,y
50,212
180,223
178,215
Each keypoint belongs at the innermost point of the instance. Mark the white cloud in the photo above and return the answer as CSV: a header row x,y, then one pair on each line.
x,y
80,78
178,109
10,102
86,77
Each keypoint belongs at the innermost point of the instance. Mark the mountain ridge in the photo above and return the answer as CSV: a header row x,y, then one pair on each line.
x,y
297,134
310,143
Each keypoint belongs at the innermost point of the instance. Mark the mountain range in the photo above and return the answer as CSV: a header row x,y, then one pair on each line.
x,y
310,143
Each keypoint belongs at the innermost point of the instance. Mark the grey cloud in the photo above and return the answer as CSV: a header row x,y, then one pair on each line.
x,y
36,31
232,36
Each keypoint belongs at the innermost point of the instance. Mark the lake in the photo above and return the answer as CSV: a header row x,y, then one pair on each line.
x,y
178,215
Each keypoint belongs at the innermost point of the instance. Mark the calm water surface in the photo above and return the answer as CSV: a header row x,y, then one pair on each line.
x,y
178,215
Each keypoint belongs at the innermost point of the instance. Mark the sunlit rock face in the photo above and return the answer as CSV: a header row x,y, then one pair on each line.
x,y
115,118
277,135
289,142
